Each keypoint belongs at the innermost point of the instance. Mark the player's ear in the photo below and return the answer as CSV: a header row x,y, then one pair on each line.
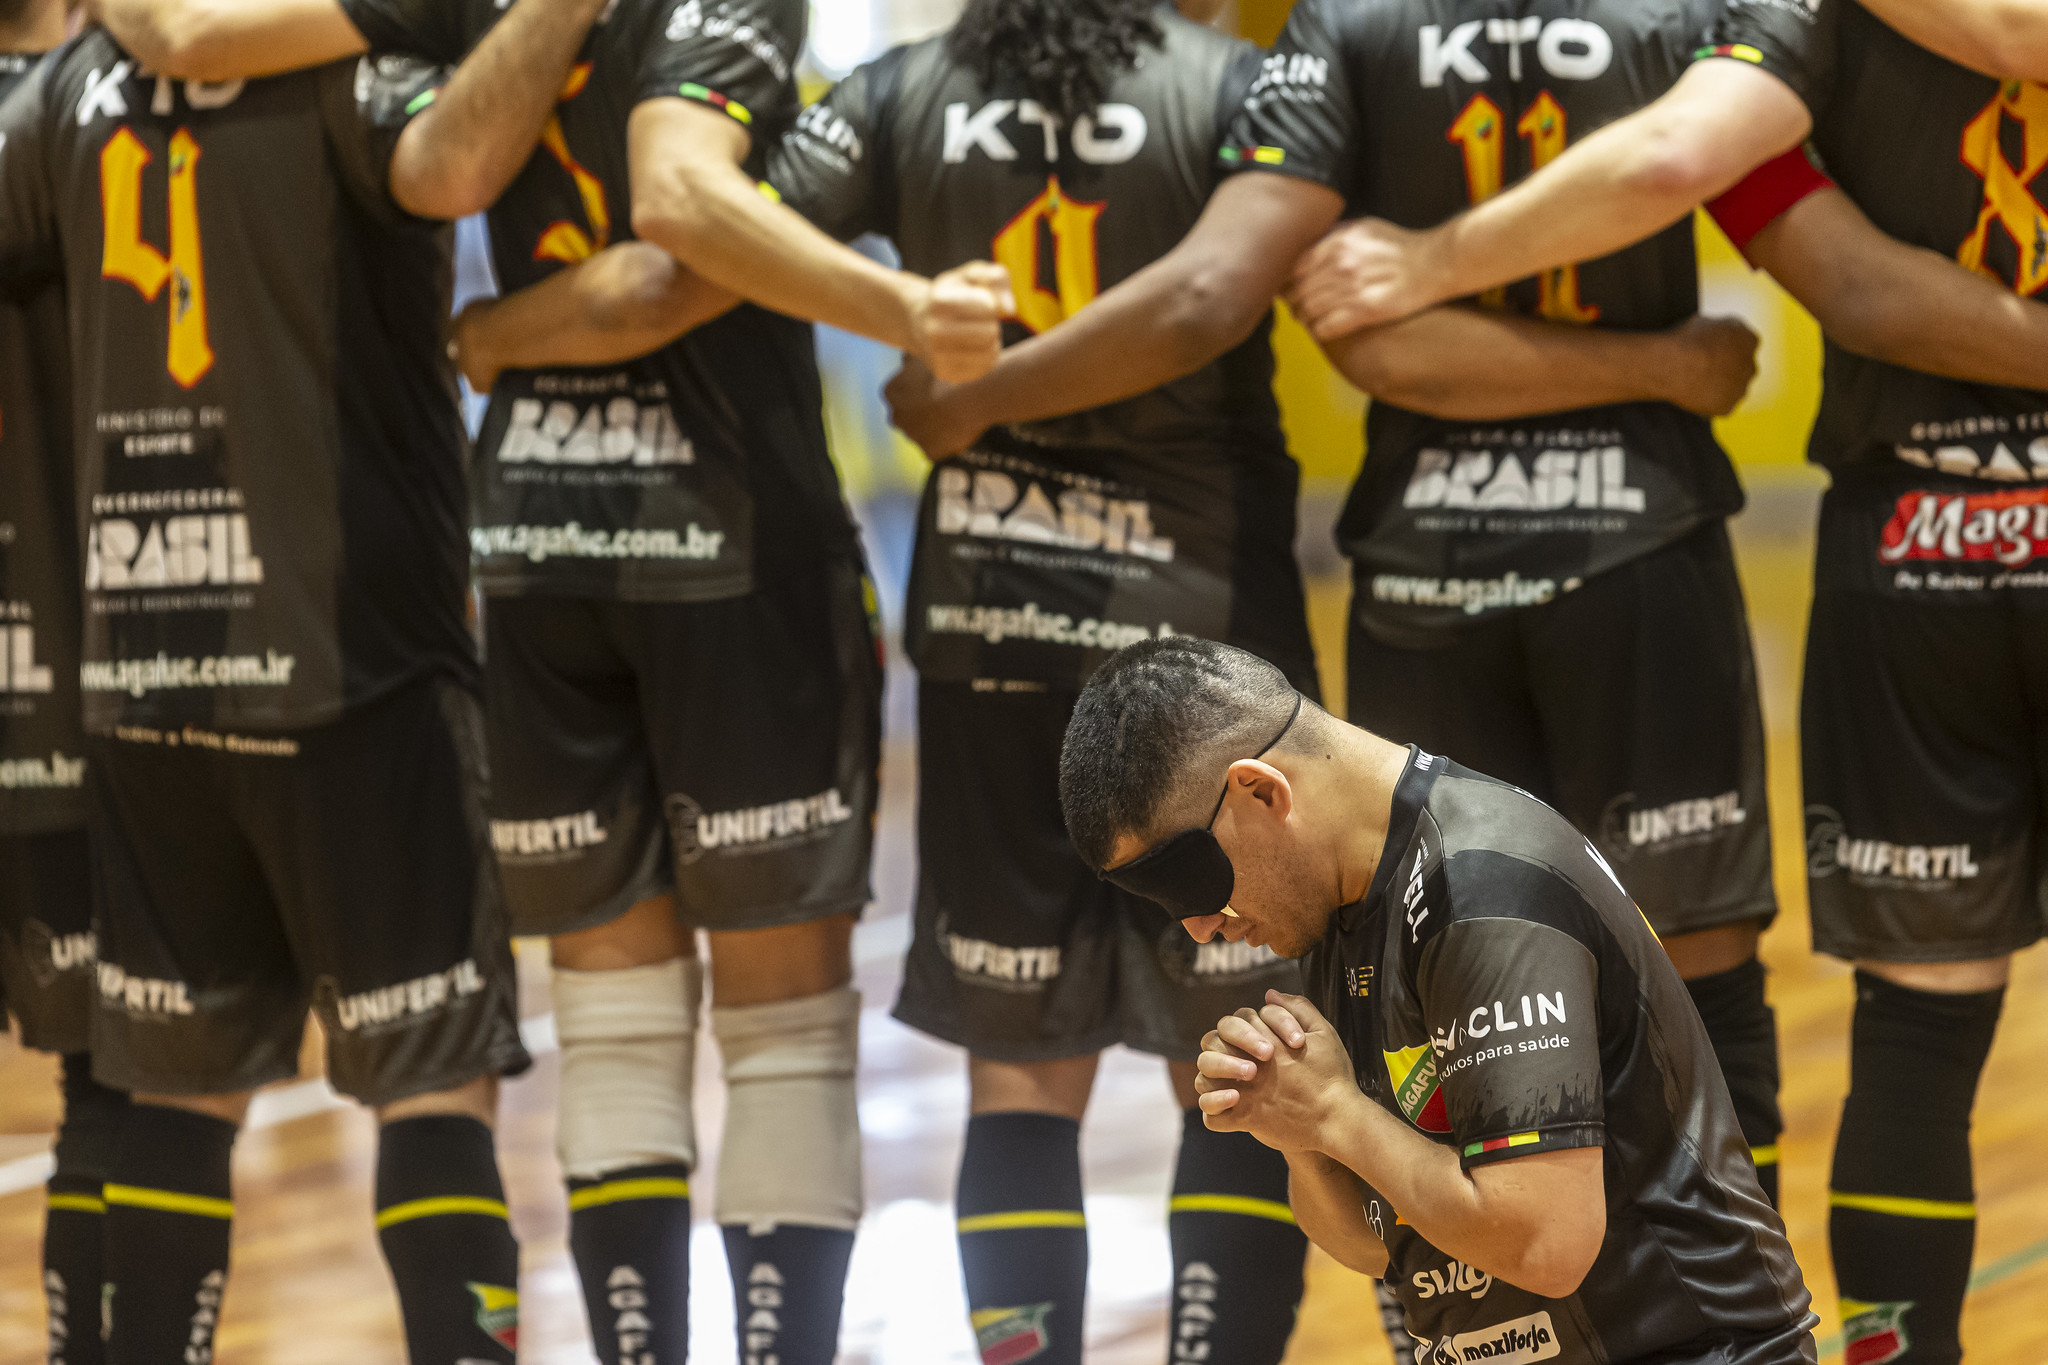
x,y
1264,784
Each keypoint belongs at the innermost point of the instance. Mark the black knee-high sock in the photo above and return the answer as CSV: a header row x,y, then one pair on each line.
x,y
168,1218
788,1287
72,1241
1902,1217
630,1235
442,1223
1023,1238
1744,1032
1237,1254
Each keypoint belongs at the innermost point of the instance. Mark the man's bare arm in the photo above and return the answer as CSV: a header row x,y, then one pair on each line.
x,y
458,156
626,301
1170,319
218,40
1327,1199
1480,364
1879,297
1635,177
692,197
2003,38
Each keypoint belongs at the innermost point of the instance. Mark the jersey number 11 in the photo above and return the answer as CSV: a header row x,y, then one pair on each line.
x,y
1480,131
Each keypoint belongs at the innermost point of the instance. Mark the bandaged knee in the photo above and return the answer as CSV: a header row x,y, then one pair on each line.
x,y
629,1043
792,1125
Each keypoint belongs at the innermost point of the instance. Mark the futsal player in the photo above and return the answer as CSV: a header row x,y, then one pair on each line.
x,y
269,478
46,939
1496,1092
1924,671
1542,580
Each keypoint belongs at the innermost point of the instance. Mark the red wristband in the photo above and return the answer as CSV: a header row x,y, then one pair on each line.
x,y
1765,193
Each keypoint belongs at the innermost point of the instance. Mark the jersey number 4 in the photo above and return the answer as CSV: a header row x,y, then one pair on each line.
x,y
1480,131
1049,250
126,256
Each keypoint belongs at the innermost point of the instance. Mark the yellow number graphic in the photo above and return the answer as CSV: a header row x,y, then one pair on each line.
x,y
1481,134
2009,203
565,241
126,256
1071,225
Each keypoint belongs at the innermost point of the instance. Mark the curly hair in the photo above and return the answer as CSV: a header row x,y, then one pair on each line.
x,y
1066,52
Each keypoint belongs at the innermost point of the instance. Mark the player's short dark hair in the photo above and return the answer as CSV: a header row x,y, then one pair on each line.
x,y
1065,52
1159,720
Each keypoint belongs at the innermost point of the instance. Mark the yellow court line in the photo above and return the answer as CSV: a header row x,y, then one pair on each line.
x,y
79,1203
613,1191
1231,1203
1023,1218
1900,1207
438,1206
169,1201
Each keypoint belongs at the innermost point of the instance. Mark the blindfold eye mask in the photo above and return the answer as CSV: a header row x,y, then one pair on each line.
x,y
1190,874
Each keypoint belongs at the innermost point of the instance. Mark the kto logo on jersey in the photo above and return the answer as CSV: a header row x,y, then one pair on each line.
x,y
19,671
1569,49
1831,849
1625,827
616,431
989,503
755,828
2007,528
1555,480
1110,136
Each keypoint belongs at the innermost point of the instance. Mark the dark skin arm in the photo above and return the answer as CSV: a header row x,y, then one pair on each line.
x,y
1170,319
1879,297
2003,38
1479,364
628,300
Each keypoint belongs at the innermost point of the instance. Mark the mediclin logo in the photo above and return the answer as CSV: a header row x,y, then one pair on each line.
x,y
2003,528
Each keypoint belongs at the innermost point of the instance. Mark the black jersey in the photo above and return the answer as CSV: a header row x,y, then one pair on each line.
x,y
1055,542
1500,993
1413,110
677,476
1938,156
42,767
268,446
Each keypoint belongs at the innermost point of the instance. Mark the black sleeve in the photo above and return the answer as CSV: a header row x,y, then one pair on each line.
x,y
1510,1005
431,28
28,219
1794,42
366,104
825,167
1301,117
734,55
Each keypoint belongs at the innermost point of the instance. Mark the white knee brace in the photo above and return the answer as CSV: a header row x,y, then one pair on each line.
x,y
629,1046
792,1127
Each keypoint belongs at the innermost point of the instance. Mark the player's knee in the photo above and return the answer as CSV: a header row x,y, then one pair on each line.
x,y
1708,951
473,1099
629,1040
1060,1086
1944,978
787,963
648,933
792,1127
229,1108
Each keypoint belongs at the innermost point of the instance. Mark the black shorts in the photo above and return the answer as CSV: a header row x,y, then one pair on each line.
x,y
46,943
1021,953
1924,719
725,751
1629,705
241,879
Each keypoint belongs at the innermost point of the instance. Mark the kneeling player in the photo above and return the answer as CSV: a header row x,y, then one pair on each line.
x,y
1496,1092
46,940
286,771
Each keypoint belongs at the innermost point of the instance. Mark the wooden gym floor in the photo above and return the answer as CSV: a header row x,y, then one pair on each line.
x,y
310,1289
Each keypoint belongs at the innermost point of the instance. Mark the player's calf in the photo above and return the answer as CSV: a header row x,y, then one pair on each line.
x,y
73,1235
1237,1254
1726,982
169,1215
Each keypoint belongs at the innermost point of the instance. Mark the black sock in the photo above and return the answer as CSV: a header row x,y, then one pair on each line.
x,y
442,1223
630,1235
788,1286
1902,1217
169,1214
1237,1254
1023,1238
1744,1032
72,1241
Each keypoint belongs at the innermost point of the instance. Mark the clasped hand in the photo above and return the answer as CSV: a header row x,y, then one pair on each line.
x,y
1278,1072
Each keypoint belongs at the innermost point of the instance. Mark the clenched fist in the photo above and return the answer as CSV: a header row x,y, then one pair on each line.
x,y
1362,273
957,325
1713,364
